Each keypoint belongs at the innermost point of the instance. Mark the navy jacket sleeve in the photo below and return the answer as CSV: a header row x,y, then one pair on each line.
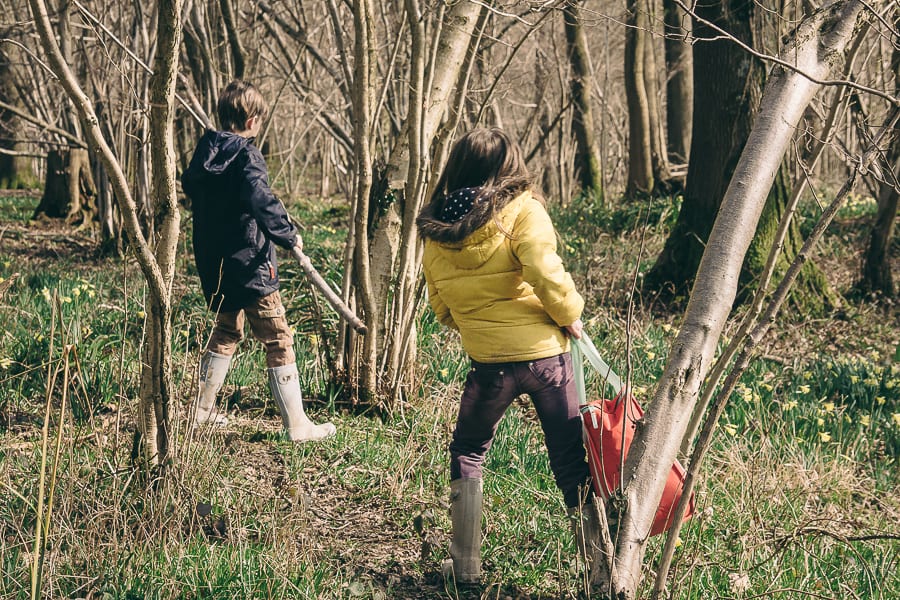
x,y
264,206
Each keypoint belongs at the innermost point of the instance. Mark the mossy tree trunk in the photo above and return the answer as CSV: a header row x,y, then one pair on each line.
x,y
811,294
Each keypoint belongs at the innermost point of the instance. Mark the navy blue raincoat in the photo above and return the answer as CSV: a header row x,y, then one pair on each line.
x,y
237,221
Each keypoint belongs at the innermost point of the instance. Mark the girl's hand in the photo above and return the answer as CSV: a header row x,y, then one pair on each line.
x,y
575,329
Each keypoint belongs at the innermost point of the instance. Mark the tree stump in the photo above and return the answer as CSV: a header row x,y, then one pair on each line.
x,y
69,190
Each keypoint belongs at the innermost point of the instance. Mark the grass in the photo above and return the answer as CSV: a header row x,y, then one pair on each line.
x,y
798,497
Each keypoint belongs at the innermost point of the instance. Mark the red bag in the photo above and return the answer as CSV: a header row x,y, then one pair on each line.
x,y
603,424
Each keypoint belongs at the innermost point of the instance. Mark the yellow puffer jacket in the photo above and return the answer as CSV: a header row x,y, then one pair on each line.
x,y
508,295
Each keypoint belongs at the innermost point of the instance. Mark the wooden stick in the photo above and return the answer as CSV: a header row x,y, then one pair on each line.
x,y
333,299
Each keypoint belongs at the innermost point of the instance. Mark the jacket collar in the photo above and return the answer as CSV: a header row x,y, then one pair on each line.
x,y
431,227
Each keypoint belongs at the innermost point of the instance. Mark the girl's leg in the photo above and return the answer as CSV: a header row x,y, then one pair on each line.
x,y
551,385
489,391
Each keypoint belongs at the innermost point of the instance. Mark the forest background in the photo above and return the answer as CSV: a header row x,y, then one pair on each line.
x,y
770,368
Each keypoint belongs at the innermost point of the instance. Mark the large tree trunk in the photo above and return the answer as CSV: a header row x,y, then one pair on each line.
x,y
815,47
811,294
587,158
69,190
680,81
640,165
725,82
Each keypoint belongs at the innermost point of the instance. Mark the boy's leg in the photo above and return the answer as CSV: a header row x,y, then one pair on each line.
x,y
488,393
214,365
269,325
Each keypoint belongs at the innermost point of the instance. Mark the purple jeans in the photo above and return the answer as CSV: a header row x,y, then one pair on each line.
x,y
491,388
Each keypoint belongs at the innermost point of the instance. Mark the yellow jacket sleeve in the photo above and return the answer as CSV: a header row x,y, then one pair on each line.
x,y
534,245
437,304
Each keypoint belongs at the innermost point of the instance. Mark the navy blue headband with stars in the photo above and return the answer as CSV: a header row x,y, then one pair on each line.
x,y
458,204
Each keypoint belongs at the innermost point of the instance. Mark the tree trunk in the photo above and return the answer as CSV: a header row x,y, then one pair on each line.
x,y
587,158
817,43
15,171
811,294
725,82
876,271
640,166
157,283
680,79
69,190
658,155
157,386
876,274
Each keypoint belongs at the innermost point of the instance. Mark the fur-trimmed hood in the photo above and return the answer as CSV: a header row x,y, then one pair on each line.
x,y
432,227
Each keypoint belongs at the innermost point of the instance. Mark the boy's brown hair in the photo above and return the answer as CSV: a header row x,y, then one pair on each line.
x,y
238,102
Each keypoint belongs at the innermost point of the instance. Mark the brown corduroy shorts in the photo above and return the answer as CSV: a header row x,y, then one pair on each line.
x,y
267,323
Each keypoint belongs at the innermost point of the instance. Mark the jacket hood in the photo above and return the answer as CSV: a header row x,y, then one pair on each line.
x,y
471,241
218,149
433,227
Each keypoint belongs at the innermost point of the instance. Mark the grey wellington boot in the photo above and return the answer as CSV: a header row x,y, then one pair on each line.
x,y
285,384
213,368
465,548
586,530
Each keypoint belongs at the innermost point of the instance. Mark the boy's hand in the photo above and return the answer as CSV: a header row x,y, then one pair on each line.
x,y
298,244
575,329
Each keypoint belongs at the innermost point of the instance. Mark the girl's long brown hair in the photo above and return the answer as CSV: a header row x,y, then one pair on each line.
x,y
485,158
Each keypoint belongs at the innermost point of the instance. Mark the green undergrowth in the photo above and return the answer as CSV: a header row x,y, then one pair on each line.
x,y
797,499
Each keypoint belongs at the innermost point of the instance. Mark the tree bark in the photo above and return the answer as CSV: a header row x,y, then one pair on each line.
x,y
587,158
15,171
640,166
157,386
817,43
876,271
679,86
725,82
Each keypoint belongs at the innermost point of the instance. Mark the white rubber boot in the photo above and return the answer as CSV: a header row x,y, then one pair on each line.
x,y
285,384
464,564
213,368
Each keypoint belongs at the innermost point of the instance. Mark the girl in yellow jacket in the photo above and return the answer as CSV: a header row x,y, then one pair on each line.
x,y
493,273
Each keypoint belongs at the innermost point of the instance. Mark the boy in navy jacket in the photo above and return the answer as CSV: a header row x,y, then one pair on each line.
x,y
238,221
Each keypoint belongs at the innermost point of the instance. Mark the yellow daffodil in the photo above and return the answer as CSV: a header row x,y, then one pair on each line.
x,y
824,436
729,429
5,362
820,421
46,294
445,372
767,387
789,405
871,381
141,314
828,407
803,389
889,385
864,420
76,292
651,355
807,375
879,400
895,417
854,379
